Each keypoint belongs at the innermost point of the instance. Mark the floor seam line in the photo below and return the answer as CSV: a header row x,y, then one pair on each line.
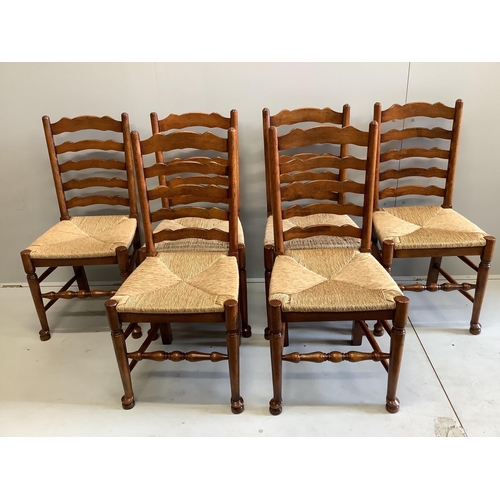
x,y
437,376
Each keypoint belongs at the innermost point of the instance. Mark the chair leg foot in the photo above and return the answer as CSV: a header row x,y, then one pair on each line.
x,y
237,406
378,329
275,407
246,331
128,403
44,335
137,332
392,406
475,328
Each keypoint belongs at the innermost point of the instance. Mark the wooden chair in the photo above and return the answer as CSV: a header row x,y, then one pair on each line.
x,y
201,122
298,162
330,284
85,240
417,162
181,285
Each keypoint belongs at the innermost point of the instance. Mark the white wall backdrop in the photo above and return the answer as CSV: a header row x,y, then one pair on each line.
x,y
30,90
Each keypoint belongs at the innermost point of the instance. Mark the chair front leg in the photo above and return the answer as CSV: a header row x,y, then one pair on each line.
x,y
396,353
276,346
36,293
233,334
481,282
118,339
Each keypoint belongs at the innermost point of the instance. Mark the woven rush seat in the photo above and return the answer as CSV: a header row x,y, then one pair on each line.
x,y
331,280
180,282
196,244
413,227
85,237
313,241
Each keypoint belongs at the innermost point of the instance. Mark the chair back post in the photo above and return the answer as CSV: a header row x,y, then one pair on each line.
x,y
143,194
266,123
370,185
274,177
233,123
377,116
162,179
129,164
344,148
452,162
54,164
233,191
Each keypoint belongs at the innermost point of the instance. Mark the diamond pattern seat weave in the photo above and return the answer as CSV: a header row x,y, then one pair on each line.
x,y
180,283
426,227
331,280
85,237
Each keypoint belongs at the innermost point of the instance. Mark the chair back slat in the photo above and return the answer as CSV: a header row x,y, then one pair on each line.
x,y
427,149
71,159
326,186
193,185
302,161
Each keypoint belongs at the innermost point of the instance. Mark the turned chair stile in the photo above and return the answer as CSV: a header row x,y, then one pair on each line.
x,y
303,117
172,283
338,282
417,163
203,122
86,240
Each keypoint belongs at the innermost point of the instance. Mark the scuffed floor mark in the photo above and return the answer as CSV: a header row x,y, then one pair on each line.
x,y
447,427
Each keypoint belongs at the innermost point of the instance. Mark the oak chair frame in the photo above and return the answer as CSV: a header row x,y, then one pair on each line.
x,y
209,121
124,257
384,250
294,117
179,194
278,318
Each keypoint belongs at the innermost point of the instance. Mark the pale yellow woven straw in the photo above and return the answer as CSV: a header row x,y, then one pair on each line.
x,y
180,282
196,244
415,227
314,241
331,280
85,237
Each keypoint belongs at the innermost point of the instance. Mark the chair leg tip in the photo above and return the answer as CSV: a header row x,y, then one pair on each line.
x,y
246,331
275,407
44,335
128,403
475,328
392,406
267,335
237,407
137,333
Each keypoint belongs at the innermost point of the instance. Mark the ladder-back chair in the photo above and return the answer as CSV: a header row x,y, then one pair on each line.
x,y
331,284
99,169
301,160
181,285
417,163
201,122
